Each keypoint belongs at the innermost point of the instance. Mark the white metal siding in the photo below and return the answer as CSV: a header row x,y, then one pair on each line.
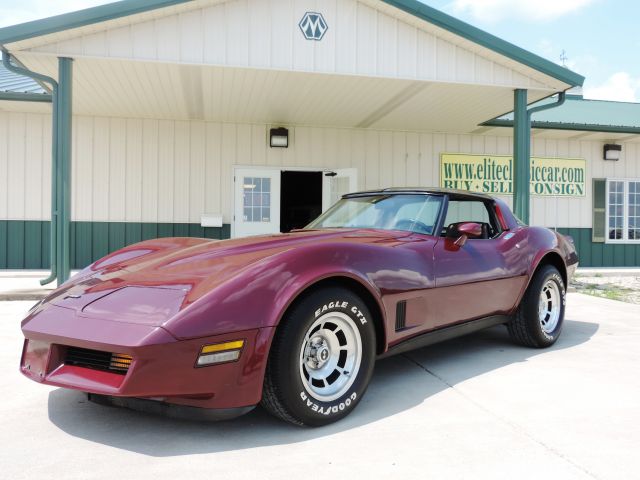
x,y
174,171
25,166
364,38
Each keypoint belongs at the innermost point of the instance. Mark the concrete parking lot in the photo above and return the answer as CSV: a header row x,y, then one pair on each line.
x,y
475,407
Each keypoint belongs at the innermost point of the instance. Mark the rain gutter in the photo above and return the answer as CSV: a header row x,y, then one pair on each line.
x,y
6,62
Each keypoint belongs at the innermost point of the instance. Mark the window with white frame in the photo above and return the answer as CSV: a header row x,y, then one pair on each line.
x,y
623,210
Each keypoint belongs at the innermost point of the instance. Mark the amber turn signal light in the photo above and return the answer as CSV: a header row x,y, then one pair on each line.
x,y
220,353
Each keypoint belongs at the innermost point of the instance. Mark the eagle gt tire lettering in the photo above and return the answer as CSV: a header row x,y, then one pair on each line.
x,y
321,359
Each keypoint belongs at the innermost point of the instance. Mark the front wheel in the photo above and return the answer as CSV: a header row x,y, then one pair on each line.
x,y
321,359
538,321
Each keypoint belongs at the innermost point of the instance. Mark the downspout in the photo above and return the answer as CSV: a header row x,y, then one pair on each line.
x,y
6,62
561,98
522,150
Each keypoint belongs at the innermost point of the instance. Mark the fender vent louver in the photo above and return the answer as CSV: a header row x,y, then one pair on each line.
x,y
401,315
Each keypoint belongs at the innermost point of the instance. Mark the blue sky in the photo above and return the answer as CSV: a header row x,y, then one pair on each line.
x,y
601,38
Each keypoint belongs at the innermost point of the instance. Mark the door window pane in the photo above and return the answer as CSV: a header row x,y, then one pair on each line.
x,y
257,199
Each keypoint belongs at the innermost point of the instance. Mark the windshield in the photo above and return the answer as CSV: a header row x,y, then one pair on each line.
x,y
412,213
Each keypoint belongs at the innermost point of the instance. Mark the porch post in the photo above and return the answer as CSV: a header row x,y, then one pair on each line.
x,y
63,175
521,155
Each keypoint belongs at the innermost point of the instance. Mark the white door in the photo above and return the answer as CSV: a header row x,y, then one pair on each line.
x,y
336,183
257,201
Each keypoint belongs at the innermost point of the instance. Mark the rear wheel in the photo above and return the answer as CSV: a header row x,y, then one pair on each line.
x,y
538,321
321,359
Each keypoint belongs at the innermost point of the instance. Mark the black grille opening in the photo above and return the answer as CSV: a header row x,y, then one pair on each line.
x,y
97,360
401,315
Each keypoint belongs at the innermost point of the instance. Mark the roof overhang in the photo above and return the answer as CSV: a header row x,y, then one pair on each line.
x,y
125,8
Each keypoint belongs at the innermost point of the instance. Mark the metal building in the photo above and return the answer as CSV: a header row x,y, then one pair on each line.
x,y
224,118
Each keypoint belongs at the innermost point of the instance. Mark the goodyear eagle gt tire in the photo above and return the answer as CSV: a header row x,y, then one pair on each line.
x,y
540,316
321,358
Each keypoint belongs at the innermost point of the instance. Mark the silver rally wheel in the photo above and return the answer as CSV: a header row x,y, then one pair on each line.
x,y
330,356
321,359
539,318
549,306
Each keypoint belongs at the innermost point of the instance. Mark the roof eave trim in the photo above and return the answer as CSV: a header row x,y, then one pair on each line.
x,y
485,39
576,127
81,18
26,97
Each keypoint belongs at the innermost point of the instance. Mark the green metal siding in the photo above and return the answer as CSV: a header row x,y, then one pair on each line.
x,y
602,254
25,244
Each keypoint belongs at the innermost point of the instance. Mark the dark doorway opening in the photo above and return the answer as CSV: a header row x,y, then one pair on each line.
x,y
300,199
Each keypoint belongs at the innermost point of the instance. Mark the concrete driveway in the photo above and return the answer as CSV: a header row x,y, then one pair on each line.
x,y
475,407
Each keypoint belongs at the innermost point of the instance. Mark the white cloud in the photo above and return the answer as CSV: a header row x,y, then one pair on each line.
x,y
491,11
13,12
620,87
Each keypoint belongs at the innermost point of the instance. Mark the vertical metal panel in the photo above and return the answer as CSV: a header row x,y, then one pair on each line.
x,y
166,171
33,165
181,172
4,168
150,170
33,240
15,244
4,238
117,167
101,179
16,147
364,37
134,172
197,178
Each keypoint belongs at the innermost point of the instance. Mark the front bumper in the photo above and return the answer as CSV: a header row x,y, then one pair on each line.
x,y
162,368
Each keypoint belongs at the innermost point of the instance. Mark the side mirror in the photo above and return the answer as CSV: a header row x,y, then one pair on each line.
x,y
466,231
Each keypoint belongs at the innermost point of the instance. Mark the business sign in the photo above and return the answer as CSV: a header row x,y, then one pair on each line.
x,y
493,174
313,26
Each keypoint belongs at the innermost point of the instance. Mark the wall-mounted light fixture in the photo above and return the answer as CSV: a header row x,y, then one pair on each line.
x,y
612,152
279,138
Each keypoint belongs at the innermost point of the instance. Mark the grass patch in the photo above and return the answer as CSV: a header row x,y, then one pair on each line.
x,y
610,292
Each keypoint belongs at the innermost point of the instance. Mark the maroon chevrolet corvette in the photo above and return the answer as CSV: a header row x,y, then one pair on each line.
x,y
194,327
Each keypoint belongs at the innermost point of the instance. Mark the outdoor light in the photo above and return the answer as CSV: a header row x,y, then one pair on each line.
x,y
279,138
612,152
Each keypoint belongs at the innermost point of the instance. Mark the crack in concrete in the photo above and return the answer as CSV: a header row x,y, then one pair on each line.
x,y
504,420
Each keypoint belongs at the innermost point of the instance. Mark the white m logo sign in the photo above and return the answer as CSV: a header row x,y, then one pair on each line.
x,y
313,26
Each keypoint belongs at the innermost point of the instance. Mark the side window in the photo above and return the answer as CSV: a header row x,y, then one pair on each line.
x,y
460,211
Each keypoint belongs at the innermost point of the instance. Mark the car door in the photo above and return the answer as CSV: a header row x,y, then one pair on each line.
x,y
482,277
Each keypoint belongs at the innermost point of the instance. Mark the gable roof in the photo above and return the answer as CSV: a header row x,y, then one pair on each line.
x,y
416,8
580,114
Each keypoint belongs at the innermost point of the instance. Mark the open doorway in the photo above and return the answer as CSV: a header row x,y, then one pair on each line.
x,y
300,199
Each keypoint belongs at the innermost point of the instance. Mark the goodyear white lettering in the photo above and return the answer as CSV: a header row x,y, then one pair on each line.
x,y
328,410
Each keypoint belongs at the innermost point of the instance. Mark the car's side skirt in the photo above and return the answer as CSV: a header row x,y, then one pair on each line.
x,y
446,333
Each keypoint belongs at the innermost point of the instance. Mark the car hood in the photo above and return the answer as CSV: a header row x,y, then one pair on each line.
x,y
150,282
